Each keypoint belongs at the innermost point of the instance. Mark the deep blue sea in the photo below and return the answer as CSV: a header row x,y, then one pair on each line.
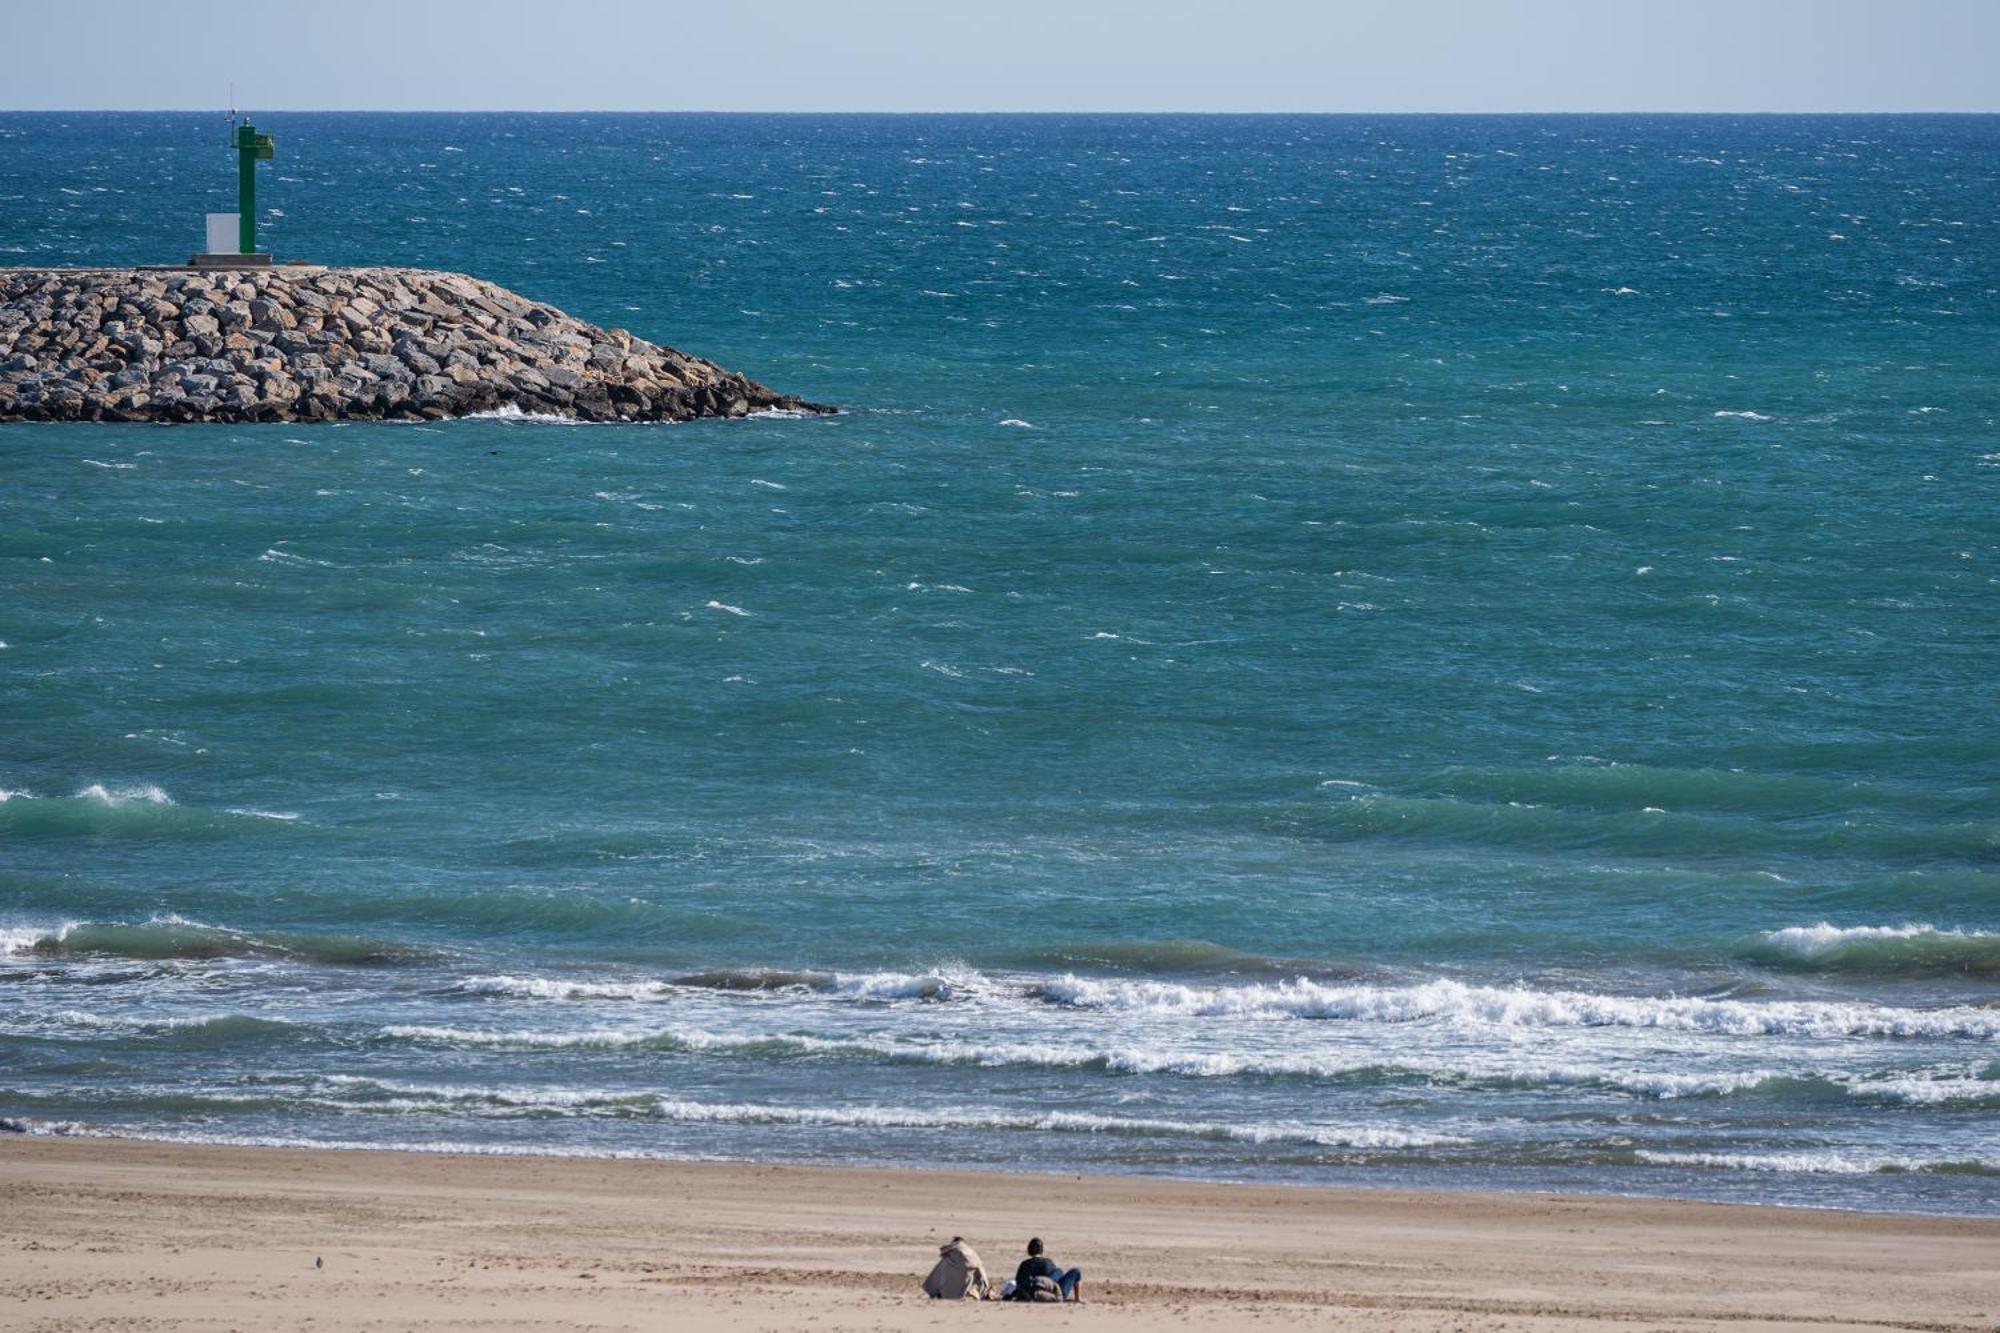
x,y
1433,651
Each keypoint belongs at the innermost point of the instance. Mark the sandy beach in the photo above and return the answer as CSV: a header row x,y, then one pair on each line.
x,y
103,1234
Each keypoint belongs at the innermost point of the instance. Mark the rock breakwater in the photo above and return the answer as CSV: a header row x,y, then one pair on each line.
x,y
326,344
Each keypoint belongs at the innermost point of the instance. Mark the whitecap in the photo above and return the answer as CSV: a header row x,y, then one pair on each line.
x,y
1824,938
145,793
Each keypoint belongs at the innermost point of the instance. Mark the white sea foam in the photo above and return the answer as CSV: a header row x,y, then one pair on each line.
x,y
1817,1163
842,985
1361,1138
144,793
1454,1001
724,606
85,1018
529,1040
1366,1137
1436,1001
1955,1086
275,556
363,1094
27,939
513,412
550,988
1745,416
1824,938
454,1148
1926,1089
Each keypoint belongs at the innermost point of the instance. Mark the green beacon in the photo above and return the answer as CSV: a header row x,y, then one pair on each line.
x,y
251,148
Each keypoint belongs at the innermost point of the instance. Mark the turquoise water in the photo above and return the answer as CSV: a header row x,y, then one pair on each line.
x,y
1430,651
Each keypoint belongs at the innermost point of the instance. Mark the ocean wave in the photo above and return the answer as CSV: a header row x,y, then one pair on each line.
x,y
1048,1055
169,936
144,793
223,1026
1976,1090
854,986
141,809
941,984
1366,1137
1956,1088
1303,998
1826,1162
364,1093
445,1147
534,1040
1518,1007
1906,950
549,988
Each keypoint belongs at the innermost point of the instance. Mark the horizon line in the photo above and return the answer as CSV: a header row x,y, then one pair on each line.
x,y
709,111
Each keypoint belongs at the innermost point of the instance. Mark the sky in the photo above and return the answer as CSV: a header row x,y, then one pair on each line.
x,y
1004,55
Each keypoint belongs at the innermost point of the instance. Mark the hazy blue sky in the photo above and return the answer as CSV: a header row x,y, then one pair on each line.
x,y
1007,55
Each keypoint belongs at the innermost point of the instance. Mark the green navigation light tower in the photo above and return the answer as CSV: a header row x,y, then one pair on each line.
x,y
251,148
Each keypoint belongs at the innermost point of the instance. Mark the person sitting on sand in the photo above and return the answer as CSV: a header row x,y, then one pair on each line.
x,y
1068,1283
958,1274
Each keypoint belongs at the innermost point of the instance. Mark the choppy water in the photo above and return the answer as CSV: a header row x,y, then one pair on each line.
x,y
1420,651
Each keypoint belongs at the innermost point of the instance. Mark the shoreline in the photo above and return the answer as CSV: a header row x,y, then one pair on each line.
x,y
130,1232
15,1128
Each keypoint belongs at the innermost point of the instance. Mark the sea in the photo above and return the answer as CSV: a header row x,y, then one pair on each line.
x,y
1434,652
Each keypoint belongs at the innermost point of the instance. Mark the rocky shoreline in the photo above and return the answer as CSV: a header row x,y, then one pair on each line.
x,y
326,344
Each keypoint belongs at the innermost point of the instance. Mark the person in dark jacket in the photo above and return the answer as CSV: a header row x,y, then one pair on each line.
x,y
1068,1281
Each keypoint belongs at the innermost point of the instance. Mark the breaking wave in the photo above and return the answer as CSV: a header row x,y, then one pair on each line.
x,y
135,810
1907,950
169,936
855,986
1519,1007
1826,1162
1956,1087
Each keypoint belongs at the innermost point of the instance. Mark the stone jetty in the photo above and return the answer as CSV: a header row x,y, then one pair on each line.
x,y
331,344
